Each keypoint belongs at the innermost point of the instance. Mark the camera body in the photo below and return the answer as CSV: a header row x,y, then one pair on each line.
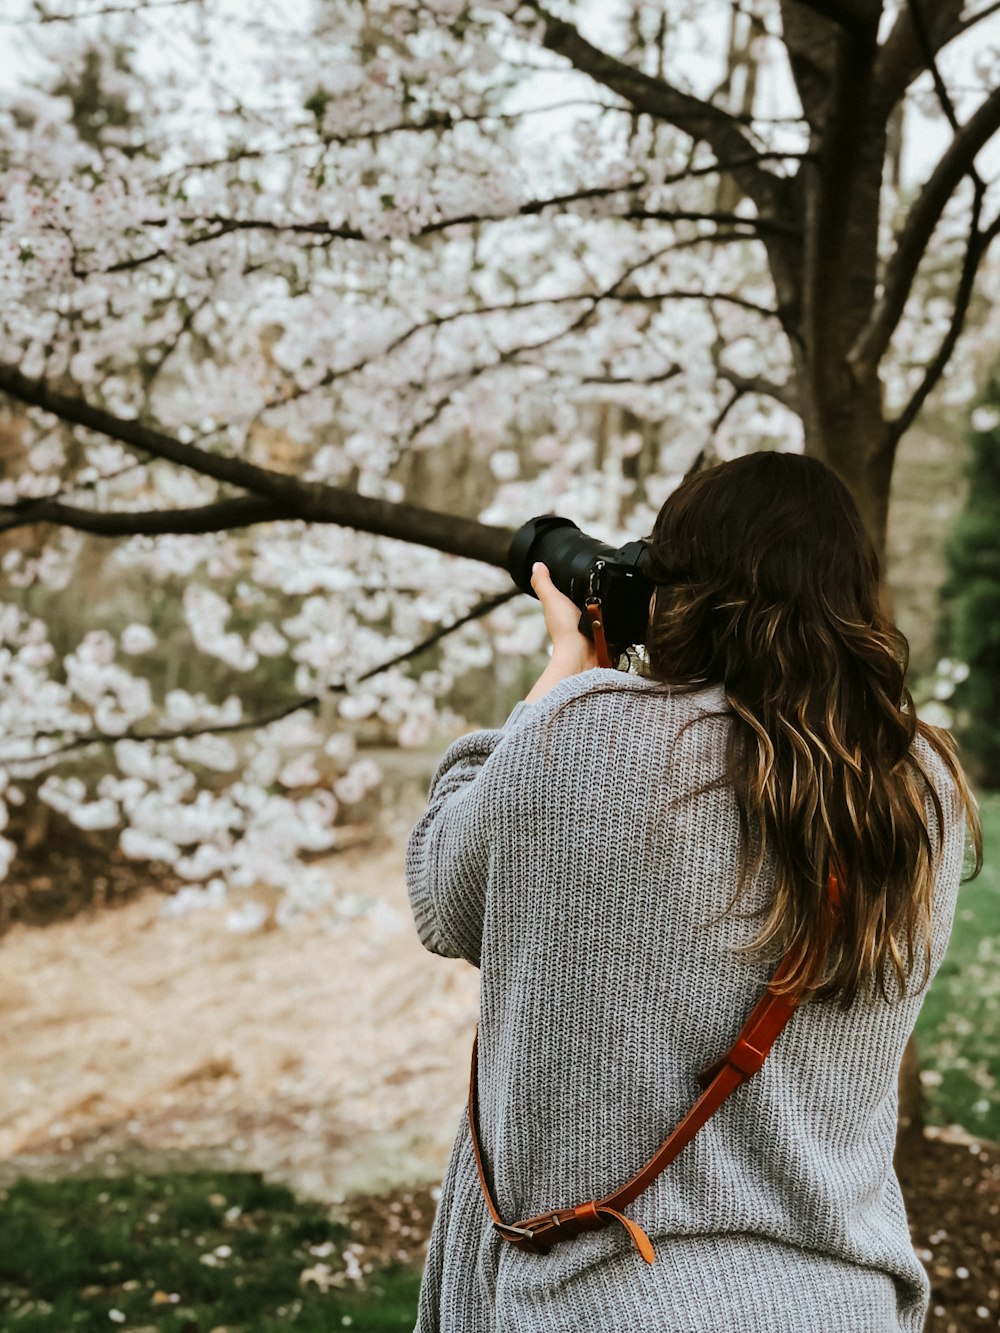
x,y
583,567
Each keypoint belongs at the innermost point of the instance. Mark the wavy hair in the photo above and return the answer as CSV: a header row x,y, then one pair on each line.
x,y
768,583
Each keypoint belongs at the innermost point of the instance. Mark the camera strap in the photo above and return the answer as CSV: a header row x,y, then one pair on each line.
x,y
744,1058
595,618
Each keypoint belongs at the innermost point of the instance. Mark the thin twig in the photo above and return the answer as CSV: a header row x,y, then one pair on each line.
x,y
481,608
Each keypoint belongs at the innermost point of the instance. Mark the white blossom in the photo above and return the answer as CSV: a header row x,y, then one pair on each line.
x,y
985,419
505,464
193,898
137,639
247,919
101,814
267,641
299,772
147,847
359,779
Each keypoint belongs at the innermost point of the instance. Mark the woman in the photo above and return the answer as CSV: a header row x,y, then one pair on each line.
x,y
626,860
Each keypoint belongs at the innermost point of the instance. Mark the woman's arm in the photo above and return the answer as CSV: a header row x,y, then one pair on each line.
x,y
448,851
447,854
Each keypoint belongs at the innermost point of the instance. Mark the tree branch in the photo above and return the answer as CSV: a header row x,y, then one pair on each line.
x,y
433,121
678,294
217,226
314,501
965,24
517,354
724,411
902,58
94,13
781,393
445,120
925,43
222,516
482,608
657,98
437,321
756,227
978,244
920,226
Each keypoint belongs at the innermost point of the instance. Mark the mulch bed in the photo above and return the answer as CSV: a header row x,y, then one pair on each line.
x,y
952,1196
953,1200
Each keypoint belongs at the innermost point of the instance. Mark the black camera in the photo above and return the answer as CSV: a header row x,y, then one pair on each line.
x,y
583,567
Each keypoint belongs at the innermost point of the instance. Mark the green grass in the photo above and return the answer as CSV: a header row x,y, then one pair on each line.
x,y
958,1032
130,1252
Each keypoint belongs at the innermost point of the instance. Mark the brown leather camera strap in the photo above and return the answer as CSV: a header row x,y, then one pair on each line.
x,y
595,618
743,1059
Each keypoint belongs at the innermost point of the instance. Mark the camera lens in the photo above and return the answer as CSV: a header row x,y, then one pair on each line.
x,y
570,555
559,544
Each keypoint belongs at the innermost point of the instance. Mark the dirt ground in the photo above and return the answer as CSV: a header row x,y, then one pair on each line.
x,y
331,1053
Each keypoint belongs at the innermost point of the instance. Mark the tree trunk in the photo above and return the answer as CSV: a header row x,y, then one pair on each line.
x,y
910,1126
845,428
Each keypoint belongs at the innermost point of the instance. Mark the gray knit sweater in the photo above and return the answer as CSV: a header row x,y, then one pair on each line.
x,y
555,856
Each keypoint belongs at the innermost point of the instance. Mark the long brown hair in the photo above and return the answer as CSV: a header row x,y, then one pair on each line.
x,y
768,583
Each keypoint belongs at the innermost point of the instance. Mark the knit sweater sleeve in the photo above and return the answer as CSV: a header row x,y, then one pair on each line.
x,y
448,850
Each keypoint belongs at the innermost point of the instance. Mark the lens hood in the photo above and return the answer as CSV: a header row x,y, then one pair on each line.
x,y
519,558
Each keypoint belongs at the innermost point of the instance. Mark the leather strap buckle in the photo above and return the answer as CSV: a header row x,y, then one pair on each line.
x,y
522,1238
520,1233
539,1234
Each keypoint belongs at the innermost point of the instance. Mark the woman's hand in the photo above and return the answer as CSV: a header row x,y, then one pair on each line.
x,y
562,619
572,651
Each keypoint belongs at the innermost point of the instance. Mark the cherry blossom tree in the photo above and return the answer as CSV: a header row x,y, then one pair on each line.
x,y
261,270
